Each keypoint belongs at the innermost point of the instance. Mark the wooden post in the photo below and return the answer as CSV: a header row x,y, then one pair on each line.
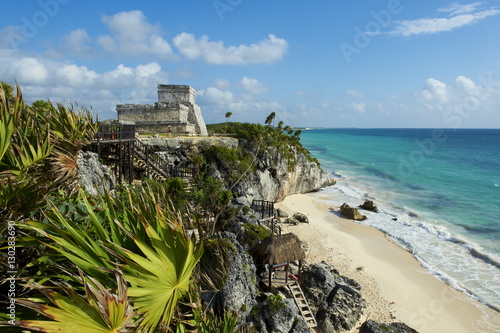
x,y
130,162
270,276
286,274
300,272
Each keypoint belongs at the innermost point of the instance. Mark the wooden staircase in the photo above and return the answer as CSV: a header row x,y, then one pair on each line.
x,y
152,171
157,166
301,302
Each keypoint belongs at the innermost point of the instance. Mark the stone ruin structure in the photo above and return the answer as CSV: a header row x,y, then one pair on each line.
x,y
175,112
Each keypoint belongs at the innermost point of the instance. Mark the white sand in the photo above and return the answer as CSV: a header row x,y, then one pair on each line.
x,y
395,285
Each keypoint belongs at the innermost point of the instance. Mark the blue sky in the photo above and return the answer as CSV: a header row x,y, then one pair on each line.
x,y
391,63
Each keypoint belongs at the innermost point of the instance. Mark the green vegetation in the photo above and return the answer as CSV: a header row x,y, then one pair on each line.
x,y
130,261
235,161
112,263
276,303
38,148
256,233
260,138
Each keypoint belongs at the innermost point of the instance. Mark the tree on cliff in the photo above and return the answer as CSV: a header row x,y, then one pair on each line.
x,y
270,119
228,115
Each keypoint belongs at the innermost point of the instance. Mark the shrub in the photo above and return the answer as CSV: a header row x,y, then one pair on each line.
x,y
256,233
276,303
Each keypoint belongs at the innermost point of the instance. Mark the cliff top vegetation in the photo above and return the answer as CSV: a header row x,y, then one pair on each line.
x,y
284,138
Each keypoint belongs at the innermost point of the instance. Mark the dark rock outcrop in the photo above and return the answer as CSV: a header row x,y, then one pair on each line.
x,y
335,300
282,319
240,292
301,217
371,326
351,212
369,205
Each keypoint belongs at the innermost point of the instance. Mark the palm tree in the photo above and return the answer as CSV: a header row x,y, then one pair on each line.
x,y
280,124
270,119
228,115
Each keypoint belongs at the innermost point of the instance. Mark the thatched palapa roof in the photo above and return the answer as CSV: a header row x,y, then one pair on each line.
x,y
280,249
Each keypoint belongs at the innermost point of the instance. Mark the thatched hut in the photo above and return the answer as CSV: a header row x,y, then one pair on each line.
x,y
280,250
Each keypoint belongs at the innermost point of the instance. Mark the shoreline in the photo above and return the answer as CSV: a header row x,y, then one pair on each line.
x,y
395,285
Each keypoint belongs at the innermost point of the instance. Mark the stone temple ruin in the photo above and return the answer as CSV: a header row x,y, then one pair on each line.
x,y
175,112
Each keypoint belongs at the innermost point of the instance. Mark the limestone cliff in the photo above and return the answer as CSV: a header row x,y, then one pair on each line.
x,y
270,176
256,171
276,177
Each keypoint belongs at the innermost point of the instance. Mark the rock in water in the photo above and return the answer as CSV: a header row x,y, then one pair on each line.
x,y
368,205
351,213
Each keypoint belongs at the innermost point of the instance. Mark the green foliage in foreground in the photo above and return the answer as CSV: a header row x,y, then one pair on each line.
x,y
141,236
38,148
112,263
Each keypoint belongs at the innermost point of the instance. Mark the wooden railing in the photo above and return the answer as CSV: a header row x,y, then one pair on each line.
x,y
264,208
125,134
115,132
151,158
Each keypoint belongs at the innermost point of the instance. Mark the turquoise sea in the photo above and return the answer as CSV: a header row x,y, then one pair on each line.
x,y
437,190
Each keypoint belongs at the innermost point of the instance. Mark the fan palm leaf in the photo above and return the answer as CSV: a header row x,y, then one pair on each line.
x,y
161,275
100,311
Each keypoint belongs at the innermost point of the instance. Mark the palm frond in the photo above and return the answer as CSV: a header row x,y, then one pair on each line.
x,y
100,311
161,275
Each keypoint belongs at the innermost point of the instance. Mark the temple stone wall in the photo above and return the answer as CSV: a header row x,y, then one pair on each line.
x,y
175,111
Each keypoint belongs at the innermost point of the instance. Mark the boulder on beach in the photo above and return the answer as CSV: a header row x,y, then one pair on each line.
x,y
369,205
351,212
301,217
371,326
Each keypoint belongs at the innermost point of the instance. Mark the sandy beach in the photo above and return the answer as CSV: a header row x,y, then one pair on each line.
x,y
394,284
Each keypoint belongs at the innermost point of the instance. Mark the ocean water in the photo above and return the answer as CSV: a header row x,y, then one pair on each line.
x,y
438,194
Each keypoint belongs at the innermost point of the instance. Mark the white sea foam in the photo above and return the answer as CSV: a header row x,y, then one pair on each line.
x,y
457,261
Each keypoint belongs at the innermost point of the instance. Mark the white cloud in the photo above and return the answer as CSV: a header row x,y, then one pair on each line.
x,y
459,16
222,83
29,70
457,9
466,85
132,35
269,50
434,91
463,93
75,76
253,86
41,78
77,42
355,93
357,107
11,36
216,96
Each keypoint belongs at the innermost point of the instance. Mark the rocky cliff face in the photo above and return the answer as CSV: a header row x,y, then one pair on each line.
x,y
93,176
274,177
